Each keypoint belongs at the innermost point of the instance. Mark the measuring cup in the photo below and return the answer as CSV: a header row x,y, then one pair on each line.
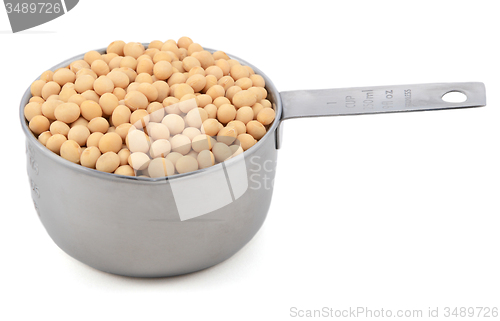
x,y
145,227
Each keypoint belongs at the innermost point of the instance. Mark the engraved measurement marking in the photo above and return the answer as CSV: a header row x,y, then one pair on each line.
x,y
36,207
388,102
350,102
34,188
407,97
368,102
331,102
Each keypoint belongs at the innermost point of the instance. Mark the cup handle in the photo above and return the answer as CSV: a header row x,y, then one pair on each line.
x,y
376,100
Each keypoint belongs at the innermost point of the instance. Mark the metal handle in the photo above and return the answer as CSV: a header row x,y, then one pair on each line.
x,y
376,100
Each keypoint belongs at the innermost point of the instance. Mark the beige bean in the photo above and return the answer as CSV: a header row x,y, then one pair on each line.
x,y
49,89
214,70
36,99
205,58
211,127
133,49
116,47
39,124
256,129
124,153
211,110
78,65
171,105
162,70
203,99
184,42
137,141
123,130
226,113
258,80
139,161
139,118
161,167
108,57
221,152
216,91
180,144
48,75
43,137
175,123
202,142
239,71
77,99
125,170
156,112
103,85
176,78
79,134
173,157
245,114
257,107
163,90
136,100
191,132
244,83
244,98
71,151
91,95
54,142
98,124
87,72
93,139
240,126
79,121
100,67
260,93
266,116
84,83
119,78
63,76
145,65
223,65
90,110
186,164
108,102
121,114
220,55
31,110
89,156
205,159
211,81
231,91
196,117
227,135
36,87
149,91
226,82
162,56
108,162
58,127
110,142
246,141
160,148
67,112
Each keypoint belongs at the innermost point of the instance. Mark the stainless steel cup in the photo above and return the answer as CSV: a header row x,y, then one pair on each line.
x,y
145,227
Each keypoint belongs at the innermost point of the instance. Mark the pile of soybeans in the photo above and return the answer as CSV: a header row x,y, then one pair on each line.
x,y
170,108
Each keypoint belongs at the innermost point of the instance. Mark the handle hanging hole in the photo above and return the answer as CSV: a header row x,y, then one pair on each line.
x,y
454,97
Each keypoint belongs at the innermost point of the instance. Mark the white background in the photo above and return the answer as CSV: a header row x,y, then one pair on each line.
x,y
395,211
